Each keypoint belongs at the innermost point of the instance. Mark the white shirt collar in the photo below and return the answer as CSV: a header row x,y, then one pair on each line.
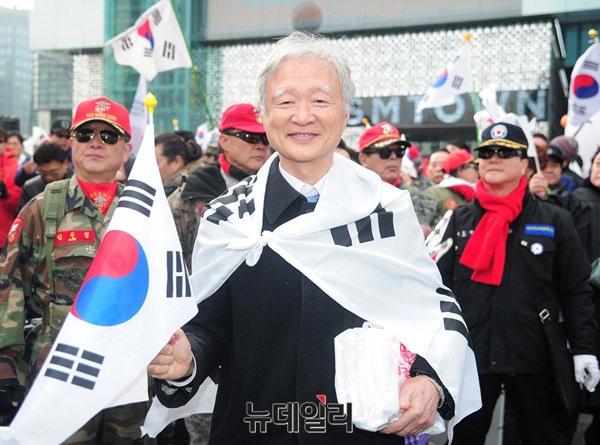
x,y
302,187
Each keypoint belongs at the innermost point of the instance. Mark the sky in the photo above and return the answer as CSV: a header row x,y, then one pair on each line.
x,y
19,4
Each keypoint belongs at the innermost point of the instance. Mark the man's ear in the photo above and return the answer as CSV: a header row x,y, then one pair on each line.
x,y
362,159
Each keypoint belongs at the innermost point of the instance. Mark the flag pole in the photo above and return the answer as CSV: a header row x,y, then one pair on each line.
x,y
150,102
473,93
194,69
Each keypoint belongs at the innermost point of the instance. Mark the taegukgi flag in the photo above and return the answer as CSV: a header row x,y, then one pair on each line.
x,y
584,91
154,43
455,80
133,298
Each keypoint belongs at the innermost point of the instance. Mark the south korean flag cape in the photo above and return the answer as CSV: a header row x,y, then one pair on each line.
x,y
364,248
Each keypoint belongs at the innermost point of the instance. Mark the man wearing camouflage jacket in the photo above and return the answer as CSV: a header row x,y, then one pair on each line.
x,y
71,216
245,149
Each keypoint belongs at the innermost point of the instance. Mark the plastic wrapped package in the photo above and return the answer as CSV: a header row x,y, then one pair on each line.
x,y
370,367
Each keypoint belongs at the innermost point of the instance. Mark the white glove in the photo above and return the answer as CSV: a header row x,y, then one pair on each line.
x,y
586,371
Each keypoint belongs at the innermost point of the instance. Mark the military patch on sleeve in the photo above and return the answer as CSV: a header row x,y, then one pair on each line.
x,y
73,236
15,229
540,230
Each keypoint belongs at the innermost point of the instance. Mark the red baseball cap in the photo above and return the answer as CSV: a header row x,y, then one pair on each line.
x,y
379,136
413,152
457,159
105,110
242,117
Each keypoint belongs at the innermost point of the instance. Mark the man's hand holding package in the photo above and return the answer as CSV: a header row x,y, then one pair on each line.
x,y
419,400
175,359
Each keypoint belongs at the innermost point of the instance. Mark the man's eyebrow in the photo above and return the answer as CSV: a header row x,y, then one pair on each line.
x,y
281,91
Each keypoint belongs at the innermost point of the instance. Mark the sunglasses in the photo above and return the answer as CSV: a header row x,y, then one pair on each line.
x,y
386,152
62,135
250,138
87,134
502,152
467,166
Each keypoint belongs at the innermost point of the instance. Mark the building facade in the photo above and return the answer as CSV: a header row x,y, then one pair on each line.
x,y
525,49
16,61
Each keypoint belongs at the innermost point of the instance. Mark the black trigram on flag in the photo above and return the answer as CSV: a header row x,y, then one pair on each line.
x,y
579,109
73,365
169,50
156,16
138,196
589,65
126,43
342,236
236,199
450,307
457,82
178,283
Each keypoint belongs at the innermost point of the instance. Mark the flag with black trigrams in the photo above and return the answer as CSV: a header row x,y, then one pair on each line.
x,y
126,310
155,43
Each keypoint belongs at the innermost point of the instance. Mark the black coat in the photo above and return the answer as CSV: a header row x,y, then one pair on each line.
x,y
271,331
506,332
584,205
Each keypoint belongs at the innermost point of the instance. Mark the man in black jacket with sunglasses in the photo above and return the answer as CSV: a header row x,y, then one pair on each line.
x,y
245,149
515,264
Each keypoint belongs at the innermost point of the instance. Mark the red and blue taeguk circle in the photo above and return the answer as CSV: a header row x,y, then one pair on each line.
x,y
116,285
441,80
584,86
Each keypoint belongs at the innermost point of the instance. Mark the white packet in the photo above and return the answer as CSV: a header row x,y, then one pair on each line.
x,y
370,366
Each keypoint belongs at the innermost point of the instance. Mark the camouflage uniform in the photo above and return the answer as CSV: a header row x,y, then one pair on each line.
x,y
446,200
176,180
421,182
24,285
425,206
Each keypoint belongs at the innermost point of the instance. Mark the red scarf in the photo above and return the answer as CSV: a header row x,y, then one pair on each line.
x,y
465,191
100,194
485,251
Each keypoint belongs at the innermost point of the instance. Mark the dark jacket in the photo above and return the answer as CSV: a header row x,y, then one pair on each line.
x,y
271,330
34,187
544,261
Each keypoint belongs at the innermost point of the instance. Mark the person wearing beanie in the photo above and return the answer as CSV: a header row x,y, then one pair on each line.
x,y
515,263
458,185
381,150
50,248
244,149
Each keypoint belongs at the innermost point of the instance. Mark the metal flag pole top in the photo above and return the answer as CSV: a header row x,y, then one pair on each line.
x,y
150,102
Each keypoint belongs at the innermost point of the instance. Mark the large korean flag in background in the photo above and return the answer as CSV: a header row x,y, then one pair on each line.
x,y
154,43
134,297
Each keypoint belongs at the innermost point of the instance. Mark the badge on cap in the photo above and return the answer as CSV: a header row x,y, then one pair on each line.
x,y
499,131
536,248
257,114
387,129
102,106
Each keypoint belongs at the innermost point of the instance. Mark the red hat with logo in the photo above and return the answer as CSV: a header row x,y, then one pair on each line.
x,y
242,117
457,159
105,110
379,136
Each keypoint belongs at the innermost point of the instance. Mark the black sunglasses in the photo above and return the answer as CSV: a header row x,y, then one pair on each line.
x,y
87,134
250,138
502,152
386,152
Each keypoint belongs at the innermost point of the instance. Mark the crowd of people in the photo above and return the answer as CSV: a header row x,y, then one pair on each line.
x,y
515,270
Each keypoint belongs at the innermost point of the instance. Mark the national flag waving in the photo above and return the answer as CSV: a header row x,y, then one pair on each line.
x,y
154,43
584,91
133,298
455,80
